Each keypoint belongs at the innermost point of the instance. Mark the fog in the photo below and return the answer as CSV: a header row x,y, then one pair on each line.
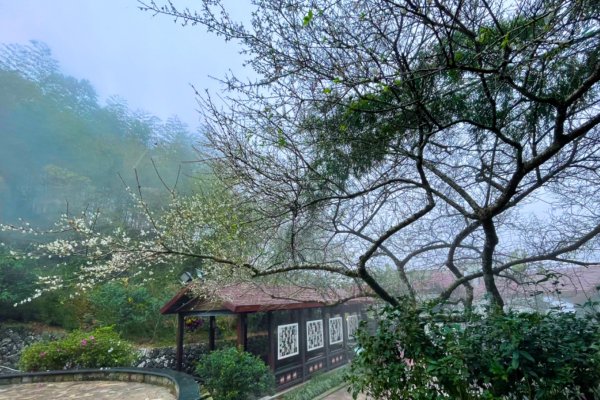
x,y
63,151
150,61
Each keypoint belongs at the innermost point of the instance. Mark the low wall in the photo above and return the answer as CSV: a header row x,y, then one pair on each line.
x,y
164,357
12,342
183,386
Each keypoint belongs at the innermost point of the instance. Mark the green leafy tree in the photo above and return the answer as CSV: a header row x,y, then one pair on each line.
x,y
133,310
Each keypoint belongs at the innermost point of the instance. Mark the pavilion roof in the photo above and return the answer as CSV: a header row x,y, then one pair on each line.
x,y
245,298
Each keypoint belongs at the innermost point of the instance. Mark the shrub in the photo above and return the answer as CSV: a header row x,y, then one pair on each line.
x,y
497,356
100,348
536,356
385,366
232,374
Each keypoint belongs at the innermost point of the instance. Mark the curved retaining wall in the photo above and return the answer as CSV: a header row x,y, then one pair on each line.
x,y
183,386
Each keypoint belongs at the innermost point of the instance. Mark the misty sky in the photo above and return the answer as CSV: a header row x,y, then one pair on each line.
x,y
149,61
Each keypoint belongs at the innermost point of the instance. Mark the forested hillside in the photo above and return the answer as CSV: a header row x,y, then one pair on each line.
x,y
61,146
63,151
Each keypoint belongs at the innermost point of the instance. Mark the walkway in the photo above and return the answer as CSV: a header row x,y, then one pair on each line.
x,y
342,394
97,390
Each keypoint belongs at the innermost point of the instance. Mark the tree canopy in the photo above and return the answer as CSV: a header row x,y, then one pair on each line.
x,y
62,148
458,136
418,134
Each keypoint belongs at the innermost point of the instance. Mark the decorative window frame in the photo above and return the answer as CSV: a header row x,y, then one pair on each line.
x,y
339,322
318,322
352,327
280,329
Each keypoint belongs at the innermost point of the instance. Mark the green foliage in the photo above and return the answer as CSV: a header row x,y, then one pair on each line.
x,y
132,309
317,385
18,279
306,20
99,348
232,374
498,356
55,309
15,279
388,364
535,356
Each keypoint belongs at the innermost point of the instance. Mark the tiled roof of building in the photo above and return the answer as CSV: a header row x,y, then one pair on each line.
x,y
242,298
572,283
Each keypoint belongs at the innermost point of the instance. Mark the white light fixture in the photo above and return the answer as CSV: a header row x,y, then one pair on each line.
x,y
186,277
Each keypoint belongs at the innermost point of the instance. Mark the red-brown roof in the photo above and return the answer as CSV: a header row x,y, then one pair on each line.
x,y
244,298
574,283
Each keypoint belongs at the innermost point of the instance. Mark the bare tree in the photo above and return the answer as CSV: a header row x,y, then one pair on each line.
x,y
417,133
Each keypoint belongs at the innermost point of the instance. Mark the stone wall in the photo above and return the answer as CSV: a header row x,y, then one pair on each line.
x,y
13,340
164,357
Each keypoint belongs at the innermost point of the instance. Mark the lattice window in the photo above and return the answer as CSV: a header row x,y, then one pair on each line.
x,y
336,333
314,335
287,341
352,325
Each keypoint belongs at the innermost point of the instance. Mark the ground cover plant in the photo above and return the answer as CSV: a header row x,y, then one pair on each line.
x,y
317,385
99,348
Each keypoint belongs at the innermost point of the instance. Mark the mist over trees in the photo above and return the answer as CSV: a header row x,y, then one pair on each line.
x,y
382,142
63,150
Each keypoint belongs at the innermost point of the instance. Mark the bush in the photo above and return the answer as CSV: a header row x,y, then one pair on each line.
x,y
498,356
232,374
100,348
532,356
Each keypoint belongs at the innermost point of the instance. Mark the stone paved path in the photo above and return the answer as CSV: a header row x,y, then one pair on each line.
x,y
101,390
343,394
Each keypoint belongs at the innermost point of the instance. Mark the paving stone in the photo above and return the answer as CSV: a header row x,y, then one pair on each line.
x,y
342,394
101,390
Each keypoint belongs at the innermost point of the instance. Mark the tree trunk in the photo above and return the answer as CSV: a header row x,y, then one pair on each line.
x,y
491,240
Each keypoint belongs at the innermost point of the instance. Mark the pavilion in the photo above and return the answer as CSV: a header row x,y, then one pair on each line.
x,y
297,331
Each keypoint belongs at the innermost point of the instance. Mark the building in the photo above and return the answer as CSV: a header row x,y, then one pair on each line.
x,y
297,331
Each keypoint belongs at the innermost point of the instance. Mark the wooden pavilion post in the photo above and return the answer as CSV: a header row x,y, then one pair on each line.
x,y
179,351
326,316
242,331
211,332
271,339
302,340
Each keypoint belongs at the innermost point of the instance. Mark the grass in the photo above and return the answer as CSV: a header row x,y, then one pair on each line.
x,y
317,385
